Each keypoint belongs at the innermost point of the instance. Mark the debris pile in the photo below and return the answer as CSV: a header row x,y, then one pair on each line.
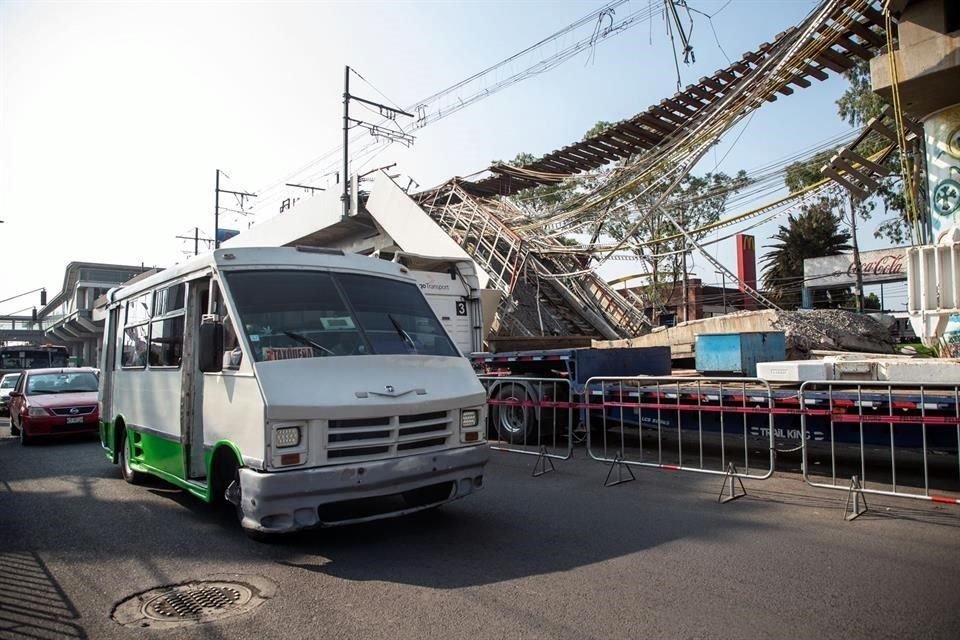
x,y
527,314
832,329
805,331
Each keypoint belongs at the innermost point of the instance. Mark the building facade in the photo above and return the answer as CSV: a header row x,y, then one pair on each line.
x,y
69,318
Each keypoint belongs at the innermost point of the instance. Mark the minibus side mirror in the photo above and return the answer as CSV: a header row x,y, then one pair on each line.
x,y
211,345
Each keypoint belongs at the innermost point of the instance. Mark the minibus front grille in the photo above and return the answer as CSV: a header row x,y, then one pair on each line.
x,y
358,452
386,437
361,422
351,437
422,444
421,417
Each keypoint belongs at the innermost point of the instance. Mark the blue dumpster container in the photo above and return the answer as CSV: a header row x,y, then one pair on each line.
x,y
738,353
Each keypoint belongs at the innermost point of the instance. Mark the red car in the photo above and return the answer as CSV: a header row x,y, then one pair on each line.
x,y
53,402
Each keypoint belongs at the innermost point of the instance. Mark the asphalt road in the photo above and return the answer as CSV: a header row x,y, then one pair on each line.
x,y
552,557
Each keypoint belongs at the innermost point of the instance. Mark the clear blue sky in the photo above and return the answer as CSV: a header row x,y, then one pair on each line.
x,y
114,116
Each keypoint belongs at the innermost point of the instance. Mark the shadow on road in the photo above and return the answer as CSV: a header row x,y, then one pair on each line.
x,y
515,527
32,604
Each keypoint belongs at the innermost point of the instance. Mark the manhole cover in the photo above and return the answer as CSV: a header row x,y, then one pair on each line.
x,y
194,602
202,600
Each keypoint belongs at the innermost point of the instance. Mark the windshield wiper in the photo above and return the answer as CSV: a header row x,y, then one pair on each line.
x,y
403,334
307,341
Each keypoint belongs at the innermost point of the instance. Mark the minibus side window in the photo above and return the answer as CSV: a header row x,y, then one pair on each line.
x,y
232,355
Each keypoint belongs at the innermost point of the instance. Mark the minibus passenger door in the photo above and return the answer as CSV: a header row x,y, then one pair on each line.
x,y
191,391
108,361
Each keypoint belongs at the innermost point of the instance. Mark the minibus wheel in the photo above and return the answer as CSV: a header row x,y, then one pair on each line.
x,y
131,476
227,493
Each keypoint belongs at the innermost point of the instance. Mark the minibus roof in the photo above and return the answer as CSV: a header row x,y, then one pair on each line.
x,y
273,257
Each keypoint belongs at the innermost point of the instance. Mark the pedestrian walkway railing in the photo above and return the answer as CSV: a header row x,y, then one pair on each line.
x,y
672,423
881,438
531,416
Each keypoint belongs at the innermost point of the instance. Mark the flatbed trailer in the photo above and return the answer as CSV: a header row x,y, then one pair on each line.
x,y
539,386
842,412
636,388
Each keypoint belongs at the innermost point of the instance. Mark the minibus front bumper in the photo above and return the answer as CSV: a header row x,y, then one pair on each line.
x,y
286,501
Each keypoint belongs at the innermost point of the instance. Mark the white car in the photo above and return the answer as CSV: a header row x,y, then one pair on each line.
x,y
7,383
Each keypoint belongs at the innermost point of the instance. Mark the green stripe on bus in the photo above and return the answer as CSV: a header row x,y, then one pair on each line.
x,y
162,453
106,439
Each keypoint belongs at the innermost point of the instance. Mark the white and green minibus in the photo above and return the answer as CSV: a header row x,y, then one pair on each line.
x,y
303,386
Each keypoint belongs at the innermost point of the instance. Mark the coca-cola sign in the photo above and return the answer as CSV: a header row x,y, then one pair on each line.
x,y
882,265
886,265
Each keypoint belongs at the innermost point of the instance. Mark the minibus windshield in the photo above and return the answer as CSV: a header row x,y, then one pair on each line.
x,y
312,314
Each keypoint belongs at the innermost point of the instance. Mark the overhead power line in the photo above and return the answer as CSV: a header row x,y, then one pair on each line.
x,y
595,27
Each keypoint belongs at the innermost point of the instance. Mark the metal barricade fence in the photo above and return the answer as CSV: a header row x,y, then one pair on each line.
x,y
881,438
675,415
531,416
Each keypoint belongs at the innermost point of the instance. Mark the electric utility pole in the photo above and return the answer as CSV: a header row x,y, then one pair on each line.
x,y
376,130
686,284
723,285
216,207
858,287
197,239
345,198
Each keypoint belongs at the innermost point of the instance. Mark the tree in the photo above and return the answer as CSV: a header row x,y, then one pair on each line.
x,y
872,302
858,105
597,129
697,202
630,217
648,233
846,209
544,198
548,197
814,233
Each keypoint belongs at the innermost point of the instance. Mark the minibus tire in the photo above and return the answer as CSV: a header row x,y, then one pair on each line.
x,y
131,476
228,472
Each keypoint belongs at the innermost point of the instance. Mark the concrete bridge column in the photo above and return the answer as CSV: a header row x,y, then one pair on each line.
x,y
928,73
942,132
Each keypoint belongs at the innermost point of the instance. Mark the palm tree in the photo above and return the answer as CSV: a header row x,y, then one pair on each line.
x,y
812,234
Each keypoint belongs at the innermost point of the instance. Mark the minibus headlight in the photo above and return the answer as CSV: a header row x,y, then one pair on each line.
x,y
469,418
287,437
